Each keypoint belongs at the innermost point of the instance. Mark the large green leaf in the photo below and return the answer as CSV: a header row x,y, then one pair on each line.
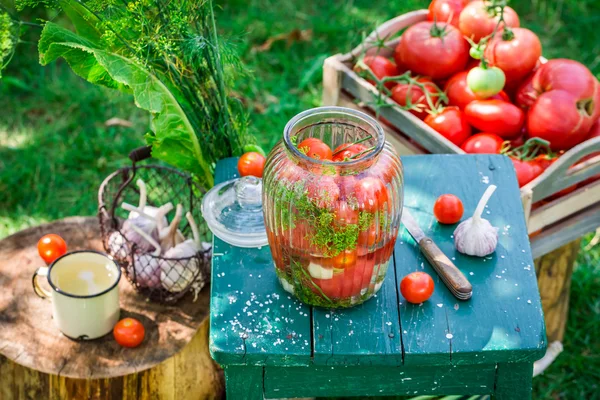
x,y
174,139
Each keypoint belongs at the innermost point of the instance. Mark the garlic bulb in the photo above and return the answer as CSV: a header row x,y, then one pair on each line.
x,y
476,236
176,274
118,246
145,223
146,265
150,211
171,236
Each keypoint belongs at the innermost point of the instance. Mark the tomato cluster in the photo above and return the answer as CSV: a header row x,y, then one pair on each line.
x,y
497,90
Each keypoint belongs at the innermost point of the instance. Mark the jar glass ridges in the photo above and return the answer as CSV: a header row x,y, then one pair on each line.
x,y
332,226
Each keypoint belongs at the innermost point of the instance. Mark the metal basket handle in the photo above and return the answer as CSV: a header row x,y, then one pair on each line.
x,y
140,154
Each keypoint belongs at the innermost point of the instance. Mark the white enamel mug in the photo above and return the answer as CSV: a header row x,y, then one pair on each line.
x,y
82,313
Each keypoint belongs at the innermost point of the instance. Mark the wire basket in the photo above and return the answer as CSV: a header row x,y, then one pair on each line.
x,y
160,279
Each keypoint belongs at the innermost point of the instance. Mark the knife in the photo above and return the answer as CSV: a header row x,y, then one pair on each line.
x,y
458,284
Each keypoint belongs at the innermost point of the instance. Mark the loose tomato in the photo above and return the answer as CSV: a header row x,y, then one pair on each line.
x,y
526,170
417,287
448,209
251,163
129,332
405,94
558,117
437,50
476,22
485,82
371,194
381,68
347,150
50,247
446,11
495,116
323,191
515,53
483,143
315,148
451,123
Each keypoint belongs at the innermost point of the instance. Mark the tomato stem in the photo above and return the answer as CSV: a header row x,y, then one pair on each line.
x,y
531,149
358,155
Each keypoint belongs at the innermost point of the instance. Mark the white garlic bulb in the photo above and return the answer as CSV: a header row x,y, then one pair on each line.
x,y
145,265
476,236
153,212
177,274
118,246
170,236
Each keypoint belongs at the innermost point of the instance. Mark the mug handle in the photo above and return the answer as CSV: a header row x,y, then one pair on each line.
x,y
40,291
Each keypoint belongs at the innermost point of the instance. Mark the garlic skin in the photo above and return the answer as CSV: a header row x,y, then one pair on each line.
x,y
149,211
476,236
146,266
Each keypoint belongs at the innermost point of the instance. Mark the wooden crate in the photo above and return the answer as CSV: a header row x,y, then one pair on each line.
x,y
560,219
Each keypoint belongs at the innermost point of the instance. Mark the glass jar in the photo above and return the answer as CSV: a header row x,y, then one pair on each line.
x,y
331,225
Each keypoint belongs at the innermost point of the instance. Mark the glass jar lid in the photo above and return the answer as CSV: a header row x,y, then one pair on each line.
x,y
233,211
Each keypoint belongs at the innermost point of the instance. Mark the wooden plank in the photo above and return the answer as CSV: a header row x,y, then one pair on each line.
x,y
554,271
244,383
566,231
504,320
377,381
332,80
368,334
253,320
565,206
513,381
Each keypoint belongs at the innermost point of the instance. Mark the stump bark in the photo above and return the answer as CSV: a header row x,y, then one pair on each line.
x,y
38,362
554,271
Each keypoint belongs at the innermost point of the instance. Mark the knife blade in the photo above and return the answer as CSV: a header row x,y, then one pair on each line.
x,y
452,277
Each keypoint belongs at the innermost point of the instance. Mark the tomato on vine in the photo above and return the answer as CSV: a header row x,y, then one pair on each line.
x,y
381,68
417,97
485,81
515,51
479,19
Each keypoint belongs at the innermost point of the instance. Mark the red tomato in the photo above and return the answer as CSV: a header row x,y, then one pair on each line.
x,y
129,332
568,75
437,50
251,164
451,123
495,116
526,170
448,209
323,191
516,57
417,287
50,247
559,118
475,22
483,143
381,67
299,236
518,141
332,288
500,96
315,148
446,11
347,150
403,92
369,239
371,194
526,95
346,185
344,214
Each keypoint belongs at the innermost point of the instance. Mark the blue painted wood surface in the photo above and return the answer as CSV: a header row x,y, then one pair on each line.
x,y
254,322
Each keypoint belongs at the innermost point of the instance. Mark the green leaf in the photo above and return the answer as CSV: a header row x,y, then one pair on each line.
x,y
174,139
85,23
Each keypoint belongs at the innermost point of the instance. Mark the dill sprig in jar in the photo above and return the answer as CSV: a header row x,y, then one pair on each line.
x,y
332,216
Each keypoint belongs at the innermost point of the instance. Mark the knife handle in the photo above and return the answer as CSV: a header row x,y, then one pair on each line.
x,y
458,284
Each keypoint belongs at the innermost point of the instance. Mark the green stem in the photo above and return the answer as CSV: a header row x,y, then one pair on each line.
x,y
358,155
352,144
314,284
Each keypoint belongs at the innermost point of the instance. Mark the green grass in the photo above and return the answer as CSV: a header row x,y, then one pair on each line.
x,y
55,149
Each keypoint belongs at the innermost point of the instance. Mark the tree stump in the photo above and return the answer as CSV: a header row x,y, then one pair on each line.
x,y
554,271
38,362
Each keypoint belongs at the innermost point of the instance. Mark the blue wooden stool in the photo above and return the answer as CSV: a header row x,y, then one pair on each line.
x,y
270,345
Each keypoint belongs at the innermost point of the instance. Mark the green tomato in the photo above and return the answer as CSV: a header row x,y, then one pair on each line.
x,y
476,52
254,148
485,82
